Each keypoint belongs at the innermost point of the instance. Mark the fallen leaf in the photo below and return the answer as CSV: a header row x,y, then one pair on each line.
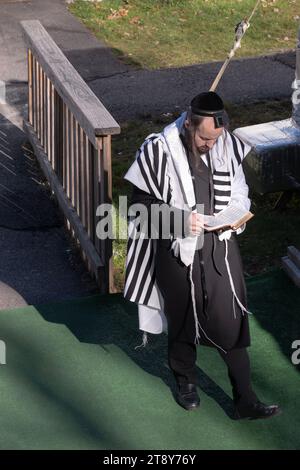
x,y
135,20
116,14
123,11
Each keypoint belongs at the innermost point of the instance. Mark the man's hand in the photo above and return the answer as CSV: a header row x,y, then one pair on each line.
x,y
195,224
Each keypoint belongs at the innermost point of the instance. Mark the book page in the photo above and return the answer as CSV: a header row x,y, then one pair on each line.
x,y
229,217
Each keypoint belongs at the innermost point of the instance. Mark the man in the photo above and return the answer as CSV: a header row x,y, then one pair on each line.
x,y
194,291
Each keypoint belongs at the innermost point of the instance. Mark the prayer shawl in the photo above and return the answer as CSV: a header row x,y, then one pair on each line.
x,y
161,169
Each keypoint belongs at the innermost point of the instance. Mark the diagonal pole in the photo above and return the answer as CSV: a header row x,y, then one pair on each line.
x,y
240,31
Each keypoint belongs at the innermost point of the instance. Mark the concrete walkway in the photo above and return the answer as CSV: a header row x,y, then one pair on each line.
x,y
37,262
36,259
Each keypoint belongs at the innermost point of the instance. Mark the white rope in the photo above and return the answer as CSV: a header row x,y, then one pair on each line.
x,y
231,282
240,31
144,341
254,10
197,323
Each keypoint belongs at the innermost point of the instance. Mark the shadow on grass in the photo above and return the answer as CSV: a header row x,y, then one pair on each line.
x,y
109,319
276,305
57,394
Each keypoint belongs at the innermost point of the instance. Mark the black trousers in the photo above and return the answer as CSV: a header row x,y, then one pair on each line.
x,y
182,361
182,351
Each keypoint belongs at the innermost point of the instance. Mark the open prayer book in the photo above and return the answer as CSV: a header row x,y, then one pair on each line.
x,y
230,218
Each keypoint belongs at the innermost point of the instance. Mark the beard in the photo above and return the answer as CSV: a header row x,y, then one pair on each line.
x,y
202,150
195,152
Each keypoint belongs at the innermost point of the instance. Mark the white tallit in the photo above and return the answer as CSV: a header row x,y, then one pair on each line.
x,y
161,168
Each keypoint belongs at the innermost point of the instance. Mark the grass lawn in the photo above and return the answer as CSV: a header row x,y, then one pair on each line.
x,y
172,33
75,380
273,229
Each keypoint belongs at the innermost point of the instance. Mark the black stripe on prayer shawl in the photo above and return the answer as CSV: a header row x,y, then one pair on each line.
x,y
221,173
235,148
130,263
144,175
150,287
219,182
160,156
169,195
156,159
242,145
219,192
163,169
129,243
148,161
221,203
140,262
233,170
131,240
145,274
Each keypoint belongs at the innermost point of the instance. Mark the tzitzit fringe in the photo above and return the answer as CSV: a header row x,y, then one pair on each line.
x,y
234,296
197,323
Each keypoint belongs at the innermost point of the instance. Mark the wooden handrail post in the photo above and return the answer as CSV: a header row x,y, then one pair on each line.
x,y
30,95
70,131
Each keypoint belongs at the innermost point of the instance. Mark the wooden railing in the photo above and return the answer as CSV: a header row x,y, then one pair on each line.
x,y
70,131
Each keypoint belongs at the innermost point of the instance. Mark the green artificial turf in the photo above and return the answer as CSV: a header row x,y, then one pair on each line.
x,y
73,379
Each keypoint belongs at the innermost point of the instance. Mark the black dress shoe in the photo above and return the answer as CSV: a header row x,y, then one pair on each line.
x,y
256,410
187,396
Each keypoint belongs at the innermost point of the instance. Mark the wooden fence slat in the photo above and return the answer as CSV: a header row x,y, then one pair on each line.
x,y
106,197
64,144
34,93
53,98
90,191
45,100
72,165
30,87
38,104
42,106
85,178
82,173
58,135
97,190
49,123
77,168
68,154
